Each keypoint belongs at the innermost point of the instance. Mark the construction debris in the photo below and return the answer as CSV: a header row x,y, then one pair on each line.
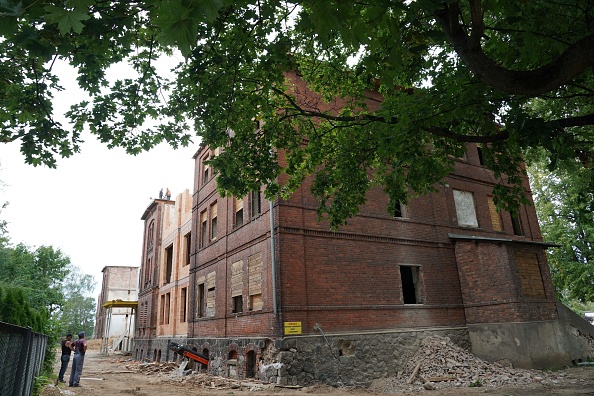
x,y
439,363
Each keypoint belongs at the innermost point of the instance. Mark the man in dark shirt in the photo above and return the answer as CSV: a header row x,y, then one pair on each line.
x,y
66,351
80,348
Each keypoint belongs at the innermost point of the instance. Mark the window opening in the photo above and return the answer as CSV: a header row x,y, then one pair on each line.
x,y
213,221
238,212
409,276
184,304
200,300
256,203
517,224
168,263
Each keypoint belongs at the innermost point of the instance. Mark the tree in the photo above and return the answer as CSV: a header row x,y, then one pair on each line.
x,y
78,312
450,73
564,201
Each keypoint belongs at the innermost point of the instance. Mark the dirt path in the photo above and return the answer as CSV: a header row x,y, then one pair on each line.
x,y
117,375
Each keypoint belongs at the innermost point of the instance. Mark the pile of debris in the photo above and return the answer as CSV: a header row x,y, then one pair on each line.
x,y
152,368
439,363
207,381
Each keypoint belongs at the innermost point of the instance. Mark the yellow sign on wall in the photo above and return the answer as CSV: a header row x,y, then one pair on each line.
x,y
292,328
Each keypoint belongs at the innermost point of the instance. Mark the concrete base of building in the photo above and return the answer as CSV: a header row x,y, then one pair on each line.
x,y
543,344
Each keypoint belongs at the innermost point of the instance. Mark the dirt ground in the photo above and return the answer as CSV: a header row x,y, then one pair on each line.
x,y
118,375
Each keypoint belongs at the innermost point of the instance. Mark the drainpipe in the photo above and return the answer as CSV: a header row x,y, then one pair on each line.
x,y
273,259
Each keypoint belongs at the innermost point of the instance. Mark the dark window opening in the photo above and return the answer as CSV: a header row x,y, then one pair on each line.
x,y
256,203
409,277
188,243
250,365
168,263
517,225
204,233
237,304
213,228
239,218
481,156
201,300
184,305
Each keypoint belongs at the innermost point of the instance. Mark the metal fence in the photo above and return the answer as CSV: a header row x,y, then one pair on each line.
x,y
22,352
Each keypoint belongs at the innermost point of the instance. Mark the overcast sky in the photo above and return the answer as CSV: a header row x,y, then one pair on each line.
x,y
90,206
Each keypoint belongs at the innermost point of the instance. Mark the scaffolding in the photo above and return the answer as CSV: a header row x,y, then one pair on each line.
x,y
125,342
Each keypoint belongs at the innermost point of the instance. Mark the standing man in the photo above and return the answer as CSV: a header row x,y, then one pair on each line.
x,y
66,351
80,348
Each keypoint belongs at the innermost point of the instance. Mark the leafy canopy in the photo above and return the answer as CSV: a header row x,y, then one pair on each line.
x,y
450,72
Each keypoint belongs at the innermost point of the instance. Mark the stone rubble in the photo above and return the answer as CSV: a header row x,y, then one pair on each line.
x,y
439,363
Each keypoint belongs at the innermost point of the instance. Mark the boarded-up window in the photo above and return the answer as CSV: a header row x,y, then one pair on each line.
x,y
465,210
213,221
238,210
255,282
210,294
237,285
530,276
495,215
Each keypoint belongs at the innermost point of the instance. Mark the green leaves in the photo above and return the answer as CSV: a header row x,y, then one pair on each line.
x,y
67,19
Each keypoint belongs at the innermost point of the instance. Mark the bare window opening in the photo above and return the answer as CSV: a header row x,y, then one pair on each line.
x,y
238,212
409,276
167,307
203,229
250,365
400,211
237,304
206,171
201,300
256,203
162,316
188,247
184,304
168,263
213,221
481,155
517,224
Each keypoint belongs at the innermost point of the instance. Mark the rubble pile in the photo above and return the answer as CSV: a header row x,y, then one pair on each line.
x,y
439,363
152,368
202,380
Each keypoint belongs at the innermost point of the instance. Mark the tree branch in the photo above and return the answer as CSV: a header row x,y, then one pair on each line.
x,y
577,58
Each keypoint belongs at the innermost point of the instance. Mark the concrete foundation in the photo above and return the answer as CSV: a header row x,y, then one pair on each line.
x,y
543,344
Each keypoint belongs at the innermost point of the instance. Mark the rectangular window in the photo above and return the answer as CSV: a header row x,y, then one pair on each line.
x,y
237,304
203,230
409,275
188,248
200,304
255,282
206,170
481,154
167,307
237,285
495,215
465,210
256,203
517,224
168,263
238,210
401,210
162,316
183,299
213,221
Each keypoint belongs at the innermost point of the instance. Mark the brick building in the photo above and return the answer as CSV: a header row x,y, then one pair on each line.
x,y
163,281
116,303
275,294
